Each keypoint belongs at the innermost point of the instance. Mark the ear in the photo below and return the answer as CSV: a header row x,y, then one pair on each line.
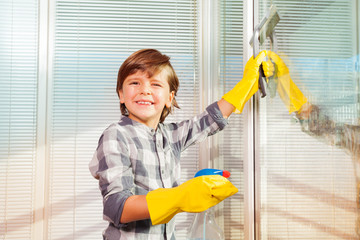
x,y
121,96
171,97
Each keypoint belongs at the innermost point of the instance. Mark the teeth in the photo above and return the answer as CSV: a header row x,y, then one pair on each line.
x,y
147,103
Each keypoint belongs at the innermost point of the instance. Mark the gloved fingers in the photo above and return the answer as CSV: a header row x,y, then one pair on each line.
x,y
206,192
253,64
269,68
224,191
260,57
220,187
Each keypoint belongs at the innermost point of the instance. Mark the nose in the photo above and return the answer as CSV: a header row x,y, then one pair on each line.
x,y
145,89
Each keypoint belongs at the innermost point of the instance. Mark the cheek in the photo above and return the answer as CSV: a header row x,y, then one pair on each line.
x,y
126,94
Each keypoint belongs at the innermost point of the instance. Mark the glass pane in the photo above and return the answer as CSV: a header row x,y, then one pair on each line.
x,y
307,177
232,141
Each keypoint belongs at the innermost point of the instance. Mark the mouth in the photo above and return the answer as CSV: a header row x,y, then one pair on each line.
x,y
144,103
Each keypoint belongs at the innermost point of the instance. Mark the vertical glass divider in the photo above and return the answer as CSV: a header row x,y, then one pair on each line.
x,y
40,169
249,204
204,76
51,6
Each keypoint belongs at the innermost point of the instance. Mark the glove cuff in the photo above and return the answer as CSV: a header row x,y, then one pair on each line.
x,y
161,205
241,93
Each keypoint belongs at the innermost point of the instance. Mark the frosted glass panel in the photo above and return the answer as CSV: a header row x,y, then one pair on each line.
x,y
307,174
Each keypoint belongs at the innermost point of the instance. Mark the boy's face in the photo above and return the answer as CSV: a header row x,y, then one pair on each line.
x,y
145,97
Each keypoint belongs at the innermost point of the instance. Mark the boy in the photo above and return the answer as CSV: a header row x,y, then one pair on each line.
x,y
137,161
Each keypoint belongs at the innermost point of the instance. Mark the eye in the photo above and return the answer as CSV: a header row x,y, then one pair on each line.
x,y
134,83
157,84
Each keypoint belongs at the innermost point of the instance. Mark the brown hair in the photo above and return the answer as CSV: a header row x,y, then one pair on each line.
x,y
150,61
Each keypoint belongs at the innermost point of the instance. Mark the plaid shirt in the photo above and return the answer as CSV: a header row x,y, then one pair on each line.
x,y
133,159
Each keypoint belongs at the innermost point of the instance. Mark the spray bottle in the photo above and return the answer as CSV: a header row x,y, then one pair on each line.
x,y
204,225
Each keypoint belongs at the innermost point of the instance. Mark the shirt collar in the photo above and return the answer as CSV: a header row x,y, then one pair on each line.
x,y
137,124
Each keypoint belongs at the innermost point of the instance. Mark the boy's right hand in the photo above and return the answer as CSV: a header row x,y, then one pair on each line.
x,y
196,195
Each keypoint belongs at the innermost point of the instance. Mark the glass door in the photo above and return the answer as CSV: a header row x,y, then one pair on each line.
x,y
307,167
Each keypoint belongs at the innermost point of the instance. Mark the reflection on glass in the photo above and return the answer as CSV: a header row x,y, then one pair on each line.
x,y
309,177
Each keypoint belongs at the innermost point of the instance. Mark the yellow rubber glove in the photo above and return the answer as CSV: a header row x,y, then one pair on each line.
x,y
290,94
268,68
196,195
249,84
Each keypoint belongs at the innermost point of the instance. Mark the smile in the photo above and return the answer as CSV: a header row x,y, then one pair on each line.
x,y
144,103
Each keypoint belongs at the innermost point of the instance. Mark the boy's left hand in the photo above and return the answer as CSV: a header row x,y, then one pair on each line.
x,y
249,85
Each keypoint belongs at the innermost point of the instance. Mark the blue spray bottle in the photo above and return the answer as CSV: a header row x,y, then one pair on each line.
x,y
204,225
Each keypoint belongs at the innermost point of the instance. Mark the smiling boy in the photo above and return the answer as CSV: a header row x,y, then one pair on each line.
x,y
137,161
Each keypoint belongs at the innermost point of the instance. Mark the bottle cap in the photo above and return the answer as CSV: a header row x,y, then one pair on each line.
x,y
226,173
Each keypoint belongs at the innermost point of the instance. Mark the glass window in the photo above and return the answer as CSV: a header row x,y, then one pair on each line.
x,y
307,179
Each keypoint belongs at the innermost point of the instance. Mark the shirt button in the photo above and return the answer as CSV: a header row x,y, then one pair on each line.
x,y
162,171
